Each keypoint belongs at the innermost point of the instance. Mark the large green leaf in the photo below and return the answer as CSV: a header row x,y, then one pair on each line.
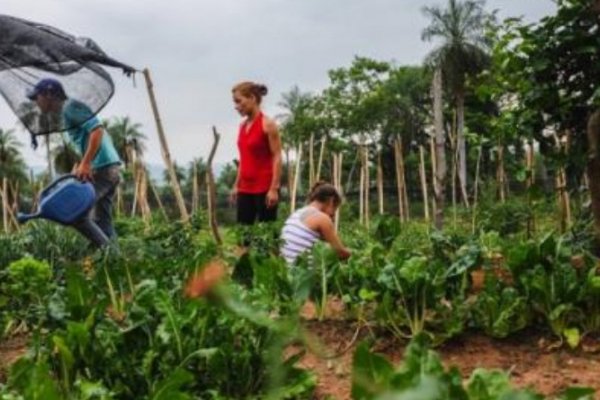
x,y
172,387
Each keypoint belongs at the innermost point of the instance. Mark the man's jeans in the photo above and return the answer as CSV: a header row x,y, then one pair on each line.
x,y
97,226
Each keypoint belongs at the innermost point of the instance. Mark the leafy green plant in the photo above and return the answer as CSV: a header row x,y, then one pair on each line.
x,y
500,310
24,289
411,304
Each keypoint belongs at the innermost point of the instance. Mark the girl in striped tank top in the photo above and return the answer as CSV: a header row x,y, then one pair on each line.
x,y
312,223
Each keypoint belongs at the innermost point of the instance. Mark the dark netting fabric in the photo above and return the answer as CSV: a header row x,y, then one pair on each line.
x,y
31,51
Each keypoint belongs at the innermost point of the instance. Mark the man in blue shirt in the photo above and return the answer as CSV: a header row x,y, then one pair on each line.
x,y
100,161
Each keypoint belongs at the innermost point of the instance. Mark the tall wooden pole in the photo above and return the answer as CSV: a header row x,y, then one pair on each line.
x,y
403,177
399,180
49,160
500,173
321,155
296,178
165,150
424,188
361,188
433,172
367,187
5,204
211,190
380,183
311,161
195,189
440,149
337,182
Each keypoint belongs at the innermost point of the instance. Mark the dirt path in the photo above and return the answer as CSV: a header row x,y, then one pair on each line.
x,y
548,372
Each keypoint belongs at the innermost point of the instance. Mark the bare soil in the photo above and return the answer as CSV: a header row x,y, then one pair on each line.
x,y
526,356
10,351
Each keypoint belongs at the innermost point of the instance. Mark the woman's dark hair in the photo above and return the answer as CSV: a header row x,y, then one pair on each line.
x,y
323,191
251,89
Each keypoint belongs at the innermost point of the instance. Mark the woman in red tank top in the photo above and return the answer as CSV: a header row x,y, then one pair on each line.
x,y
256,189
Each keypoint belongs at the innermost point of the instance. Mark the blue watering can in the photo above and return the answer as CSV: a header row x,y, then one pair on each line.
x,y
66,201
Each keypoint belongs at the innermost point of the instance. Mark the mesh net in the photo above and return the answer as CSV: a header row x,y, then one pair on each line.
x,y
30,51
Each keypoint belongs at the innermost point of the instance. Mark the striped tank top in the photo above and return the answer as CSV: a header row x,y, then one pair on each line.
x,y
296,236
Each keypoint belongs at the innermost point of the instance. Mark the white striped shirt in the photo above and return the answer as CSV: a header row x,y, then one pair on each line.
x,y
297,237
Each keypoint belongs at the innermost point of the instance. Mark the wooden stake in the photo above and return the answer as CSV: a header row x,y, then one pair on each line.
x,y
119,201
440,149
5,204
165,150
311,161
433,172
424,188
296,178
195,189
211,190
158,200
399,181
379,183
321,155
337,182
500,174
136,192
403,178
361,188
367,186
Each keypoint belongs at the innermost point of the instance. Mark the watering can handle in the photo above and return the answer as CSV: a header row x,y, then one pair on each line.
x,y
56,182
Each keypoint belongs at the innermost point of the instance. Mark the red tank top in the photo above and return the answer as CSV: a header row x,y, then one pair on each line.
x,y
256,159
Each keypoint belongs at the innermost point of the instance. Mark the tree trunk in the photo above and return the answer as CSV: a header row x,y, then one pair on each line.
x,y
211,190
593,165
424,188
440,144
165,150
561,184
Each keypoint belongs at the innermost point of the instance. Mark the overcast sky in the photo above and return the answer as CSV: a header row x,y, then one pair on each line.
x,y
197,49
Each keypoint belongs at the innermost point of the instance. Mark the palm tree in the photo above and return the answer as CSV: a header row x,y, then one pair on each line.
x,y
65,157
461,54
12,165
180,173
127,137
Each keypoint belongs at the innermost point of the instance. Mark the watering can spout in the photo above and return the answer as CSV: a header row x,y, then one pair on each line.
x,y
23,218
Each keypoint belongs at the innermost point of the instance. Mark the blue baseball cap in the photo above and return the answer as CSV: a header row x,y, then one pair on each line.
x,y
47,85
